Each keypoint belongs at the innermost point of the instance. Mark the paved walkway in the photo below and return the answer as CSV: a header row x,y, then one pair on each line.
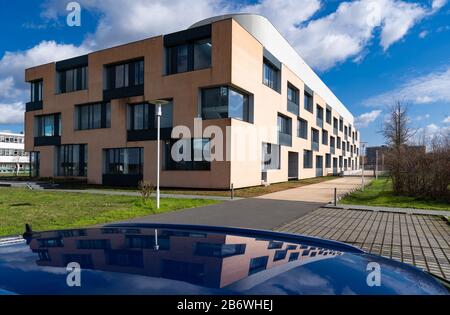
x,y
391,209
321,192
420,240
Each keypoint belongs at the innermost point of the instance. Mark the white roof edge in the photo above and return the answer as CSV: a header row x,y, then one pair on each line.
x,y
11,134
264,31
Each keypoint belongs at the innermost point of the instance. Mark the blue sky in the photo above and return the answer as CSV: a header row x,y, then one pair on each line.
x,y
369,52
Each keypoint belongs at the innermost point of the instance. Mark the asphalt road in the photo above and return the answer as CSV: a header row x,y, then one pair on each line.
x,y
256,213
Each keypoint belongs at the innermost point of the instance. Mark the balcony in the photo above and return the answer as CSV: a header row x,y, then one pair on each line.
x,y
314,146
47,141
335,131
32,106
148,134
284,139
319,122
137,90
332,150
293,108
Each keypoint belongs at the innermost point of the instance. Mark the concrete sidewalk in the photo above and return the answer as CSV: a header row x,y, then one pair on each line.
x,y
321,192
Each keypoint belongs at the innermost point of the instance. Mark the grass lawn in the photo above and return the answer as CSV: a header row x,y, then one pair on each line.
x,y
55,210
379,193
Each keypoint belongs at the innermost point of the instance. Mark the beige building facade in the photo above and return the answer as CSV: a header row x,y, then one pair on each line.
x,y
92,117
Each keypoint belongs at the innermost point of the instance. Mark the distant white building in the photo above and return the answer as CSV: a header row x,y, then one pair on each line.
x,y
13,157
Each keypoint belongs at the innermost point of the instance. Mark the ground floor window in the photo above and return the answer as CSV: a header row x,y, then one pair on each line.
x,y
123,161
327,160
270,156
307,159
72,160
188,155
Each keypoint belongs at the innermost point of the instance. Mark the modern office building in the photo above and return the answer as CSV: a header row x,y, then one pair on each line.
x,y
92,116
13,157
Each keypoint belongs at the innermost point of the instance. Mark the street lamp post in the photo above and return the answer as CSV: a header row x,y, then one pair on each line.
x,y
376,166
158,104
363,156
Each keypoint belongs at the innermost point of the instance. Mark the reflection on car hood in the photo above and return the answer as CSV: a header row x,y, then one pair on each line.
x,y
173,259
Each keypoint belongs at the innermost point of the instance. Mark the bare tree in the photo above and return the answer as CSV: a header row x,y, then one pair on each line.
x,y
397,133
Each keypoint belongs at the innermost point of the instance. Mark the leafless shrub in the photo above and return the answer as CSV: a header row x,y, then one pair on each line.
x,y
146,189
414,170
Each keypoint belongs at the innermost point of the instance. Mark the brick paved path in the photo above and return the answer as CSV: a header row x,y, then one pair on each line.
x,y
421,240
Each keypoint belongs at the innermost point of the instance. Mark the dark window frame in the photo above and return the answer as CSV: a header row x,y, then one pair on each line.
x,y
191,46
131,77
105,116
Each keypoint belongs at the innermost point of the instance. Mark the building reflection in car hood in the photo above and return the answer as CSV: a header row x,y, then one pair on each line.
x,y
210,260
164,260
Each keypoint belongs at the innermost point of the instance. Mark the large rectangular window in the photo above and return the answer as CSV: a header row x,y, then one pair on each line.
x,y
328,115
271,75
341,125
72,160
258,264
315,138
302,130
126,74
309,102
188,155
324,137
327,160
319,116
142,116
93,116
123,161
284,130
36,90
293,99
71,80
224,102
193,55
47,125
270,156
307,159
219,250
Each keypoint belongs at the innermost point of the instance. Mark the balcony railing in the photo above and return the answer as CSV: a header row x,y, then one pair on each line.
x,y
293,108
332,150
284,139
335,131
319,122
314,146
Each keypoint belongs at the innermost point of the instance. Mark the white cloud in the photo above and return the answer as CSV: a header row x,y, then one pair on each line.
x,y
423,34
438,4
12,113
366,119
446,120
426,89
323,42
422,117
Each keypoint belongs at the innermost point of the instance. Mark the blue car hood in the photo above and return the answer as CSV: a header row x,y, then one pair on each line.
x,y
194,260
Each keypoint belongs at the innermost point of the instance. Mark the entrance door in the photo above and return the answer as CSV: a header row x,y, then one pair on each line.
x,y
335,166
293,165
319,166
